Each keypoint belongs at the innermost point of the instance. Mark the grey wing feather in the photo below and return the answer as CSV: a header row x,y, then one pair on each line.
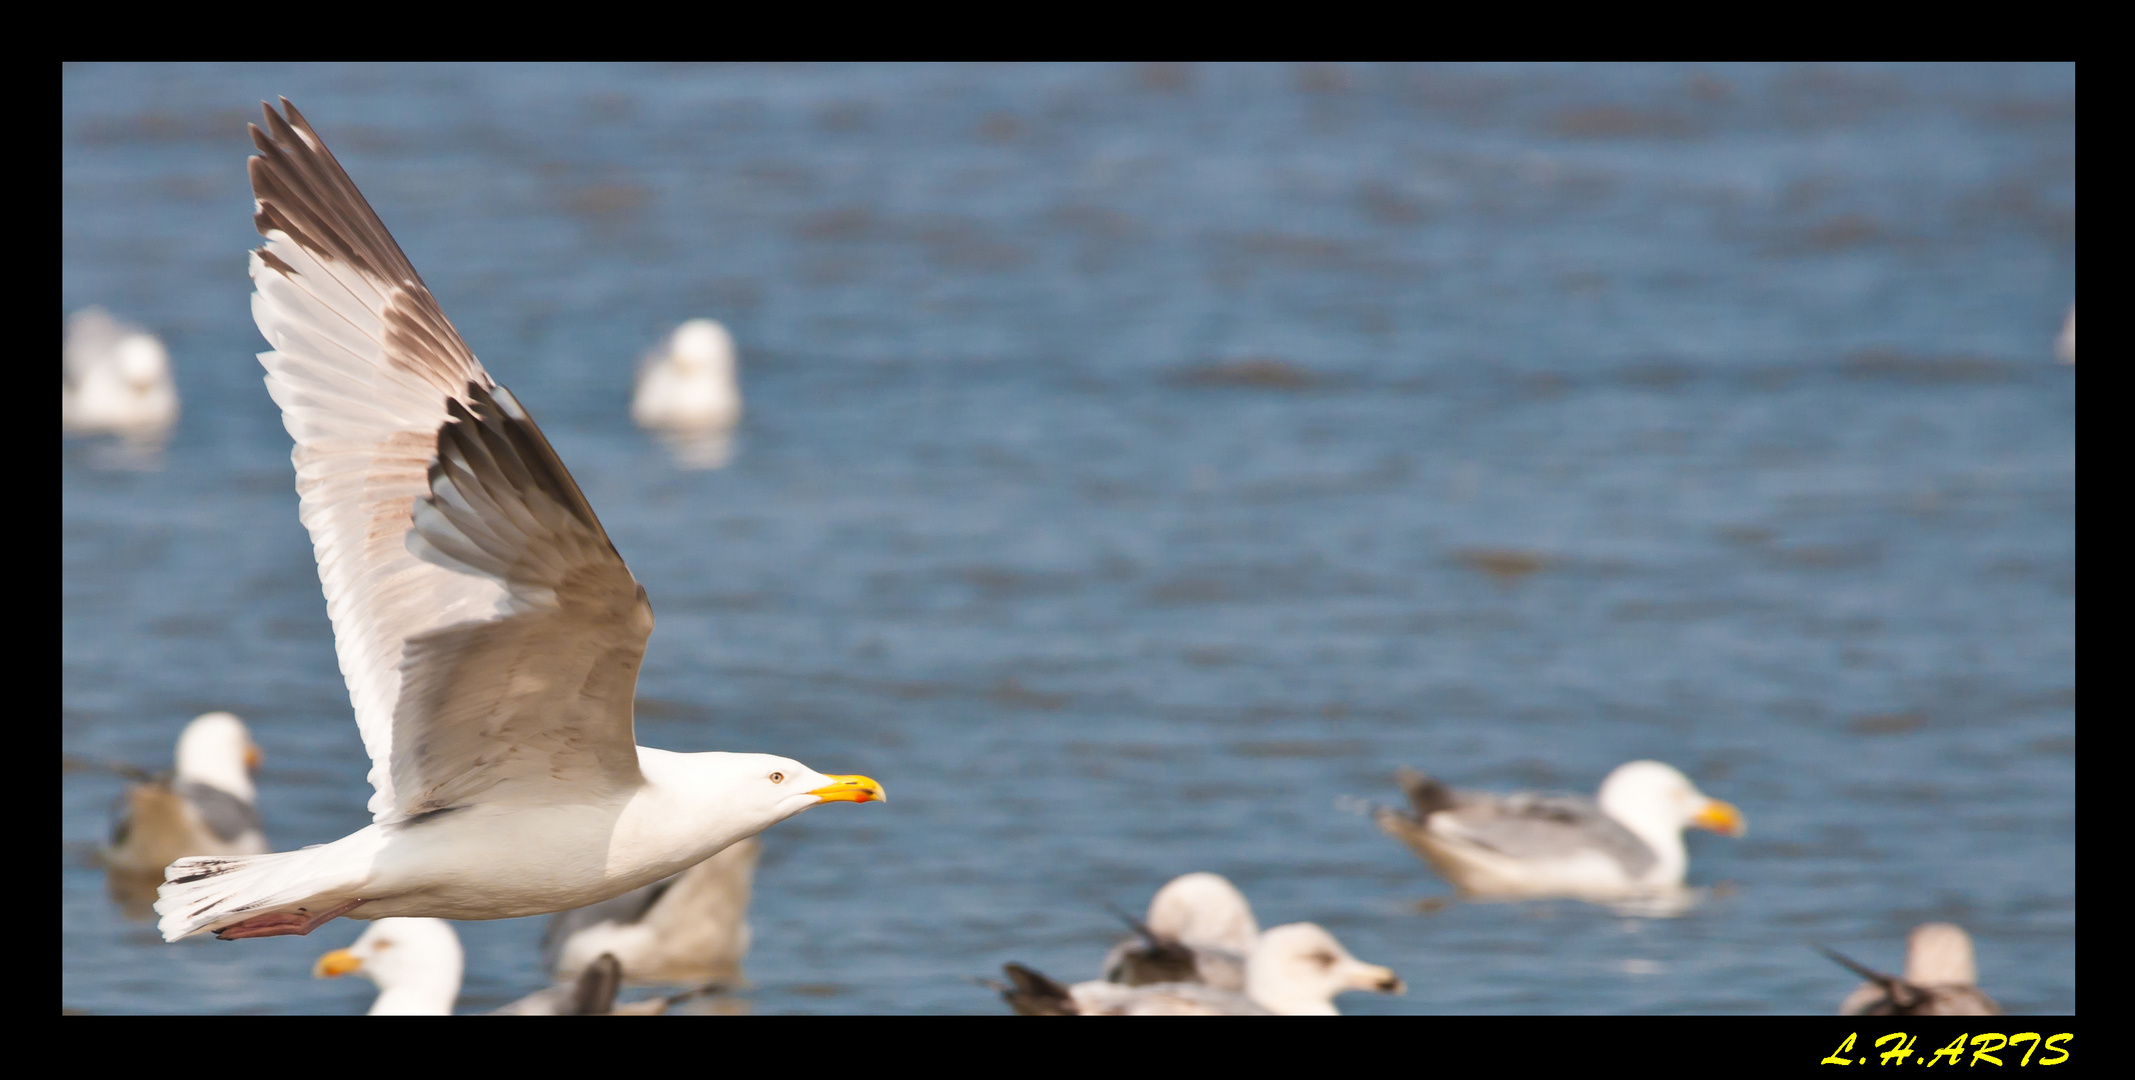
x,y
226,815
542,693
1527,826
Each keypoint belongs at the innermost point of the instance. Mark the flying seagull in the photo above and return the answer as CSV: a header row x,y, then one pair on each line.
x,y
489,631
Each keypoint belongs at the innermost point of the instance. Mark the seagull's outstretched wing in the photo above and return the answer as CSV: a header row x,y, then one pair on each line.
x,y
489,631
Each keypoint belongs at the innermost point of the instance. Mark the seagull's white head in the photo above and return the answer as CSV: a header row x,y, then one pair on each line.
x,y
1297,969
704,345
142,361
217,750
743,794
1656,796
1204,909
794,787
1940,954
417,964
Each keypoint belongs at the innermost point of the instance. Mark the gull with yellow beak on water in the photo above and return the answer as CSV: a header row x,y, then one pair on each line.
x,y
415,963
1626,842
203,807
488,630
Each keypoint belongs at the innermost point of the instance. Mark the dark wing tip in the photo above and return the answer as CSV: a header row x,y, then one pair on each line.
x,y
274,262
303,190
1858,968
1427,795
1033,994
595,993
514,437
1170,959
279,126
1903,996
1133,923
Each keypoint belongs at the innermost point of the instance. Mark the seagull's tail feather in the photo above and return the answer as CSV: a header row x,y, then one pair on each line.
x,y
208,892
1035,995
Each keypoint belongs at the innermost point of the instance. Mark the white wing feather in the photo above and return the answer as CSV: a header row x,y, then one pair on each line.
x,y
488,630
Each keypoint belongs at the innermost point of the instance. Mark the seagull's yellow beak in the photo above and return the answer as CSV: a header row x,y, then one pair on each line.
x,y
1721,818
253,757
336,964
1378,980
850,789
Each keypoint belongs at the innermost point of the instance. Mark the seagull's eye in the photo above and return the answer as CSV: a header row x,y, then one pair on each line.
x,y
381,945
778,778
1322,959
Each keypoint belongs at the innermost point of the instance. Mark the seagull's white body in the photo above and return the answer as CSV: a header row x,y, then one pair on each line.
x,y
489,632
689,381
114,377
1627,842
472,863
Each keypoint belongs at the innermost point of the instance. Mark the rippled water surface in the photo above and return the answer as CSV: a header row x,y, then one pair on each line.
x,y
1143,462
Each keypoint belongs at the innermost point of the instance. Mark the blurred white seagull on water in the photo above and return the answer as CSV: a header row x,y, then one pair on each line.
x,y
1941,978
688,395
1626,842
206,806
1199,929
417,965
1292,970
114,377
489,632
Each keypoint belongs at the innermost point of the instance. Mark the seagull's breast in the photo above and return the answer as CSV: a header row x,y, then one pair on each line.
x,y
664,831
490,861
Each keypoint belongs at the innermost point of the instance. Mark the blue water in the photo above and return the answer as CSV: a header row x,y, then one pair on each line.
x,y
1751,366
